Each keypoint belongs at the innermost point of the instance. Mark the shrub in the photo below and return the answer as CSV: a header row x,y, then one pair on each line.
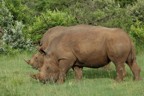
x,y
137,34
101,12
47,20
25,20
13,37
124,3
137,11
44,5
20,10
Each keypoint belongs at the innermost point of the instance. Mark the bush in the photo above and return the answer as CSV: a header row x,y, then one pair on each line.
x,y
137,11
20,11
125,3
25,20
47,20
44,5
13,37
101,12
137,34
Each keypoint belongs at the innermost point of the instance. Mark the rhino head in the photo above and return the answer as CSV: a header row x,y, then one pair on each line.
x,y
36,61
49,71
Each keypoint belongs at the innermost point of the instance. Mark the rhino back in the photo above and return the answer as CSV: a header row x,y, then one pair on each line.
x,y
93,46
81,43
50,35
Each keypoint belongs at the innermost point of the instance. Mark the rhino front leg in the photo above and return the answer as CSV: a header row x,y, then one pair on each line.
x,y
78,72
39,77
64,66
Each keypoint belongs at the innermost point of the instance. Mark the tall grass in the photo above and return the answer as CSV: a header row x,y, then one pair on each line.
x,y
15,81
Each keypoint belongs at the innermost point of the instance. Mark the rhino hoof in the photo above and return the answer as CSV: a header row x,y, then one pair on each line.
x,y
138,79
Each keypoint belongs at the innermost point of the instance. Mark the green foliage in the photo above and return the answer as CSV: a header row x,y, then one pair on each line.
x,y
44,5
137,10
20,10
37,16
13,37
47,20
124,3
101,12
137,33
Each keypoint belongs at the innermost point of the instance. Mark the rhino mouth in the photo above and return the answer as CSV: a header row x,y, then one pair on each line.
x,y
34,67
44,81
48,81
52,78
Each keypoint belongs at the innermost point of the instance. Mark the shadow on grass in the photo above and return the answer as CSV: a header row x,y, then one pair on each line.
x,y
94,73
90,73
99,73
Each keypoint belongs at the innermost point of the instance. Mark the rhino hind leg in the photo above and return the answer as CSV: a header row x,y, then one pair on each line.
x,y
119,61
135,70
120,71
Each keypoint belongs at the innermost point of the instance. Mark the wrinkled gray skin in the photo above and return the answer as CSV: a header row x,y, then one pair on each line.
x,y
90,46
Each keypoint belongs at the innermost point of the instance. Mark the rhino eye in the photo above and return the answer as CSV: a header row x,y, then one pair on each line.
x,y
36,59
48,68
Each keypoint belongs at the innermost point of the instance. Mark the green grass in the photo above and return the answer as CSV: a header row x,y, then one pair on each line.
x,y
15,81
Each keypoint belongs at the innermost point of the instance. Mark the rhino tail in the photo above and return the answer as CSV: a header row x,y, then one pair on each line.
x,y
132,55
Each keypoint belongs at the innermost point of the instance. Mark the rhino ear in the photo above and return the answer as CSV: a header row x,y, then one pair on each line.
x,y
42,51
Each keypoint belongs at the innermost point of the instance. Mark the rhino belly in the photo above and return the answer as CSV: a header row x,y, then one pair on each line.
x,y
94,62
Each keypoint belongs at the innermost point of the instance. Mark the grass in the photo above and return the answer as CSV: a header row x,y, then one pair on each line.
x,y
15,81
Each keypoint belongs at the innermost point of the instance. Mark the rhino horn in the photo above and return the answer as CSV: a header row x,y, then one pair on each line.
x,y
27,61
42,51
